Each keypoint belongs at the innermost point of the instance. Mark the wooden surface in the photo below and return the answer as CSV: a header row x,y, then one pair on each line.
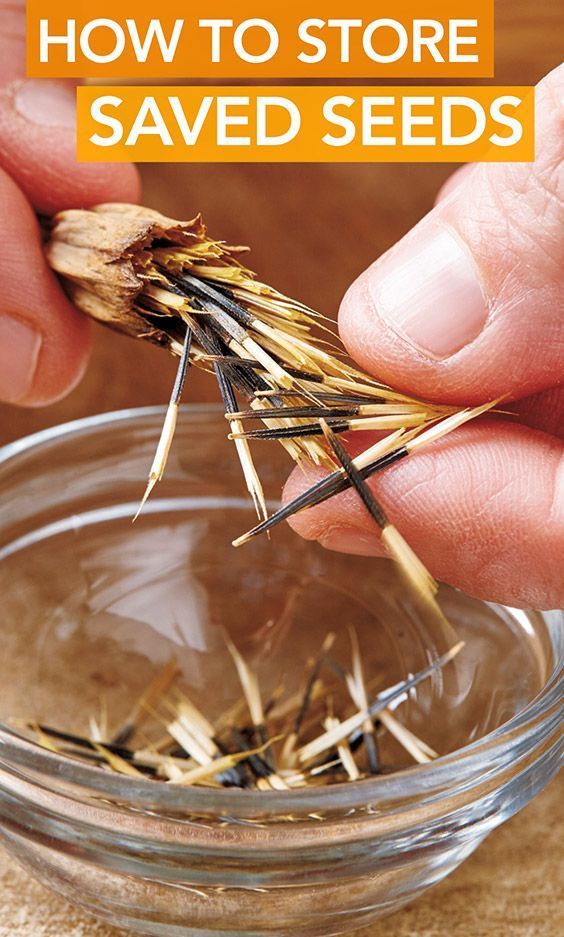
x,y
313,229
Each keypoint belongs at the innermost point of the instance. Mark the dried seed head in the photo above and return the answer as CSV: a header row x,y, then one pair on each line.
x,y
101,253
167,281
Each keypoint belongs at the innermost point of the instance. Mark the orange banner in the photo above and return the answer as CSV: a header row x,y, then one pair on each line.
x,y
260,38
306,124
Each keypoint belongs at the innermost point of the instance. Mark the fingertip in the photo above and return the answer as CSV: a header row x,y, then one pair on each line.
x,y
358,323
381,351
44,341
466,306
38,150
297,482
63,183
483,508
335,524
62,360
453,181
70,184
543,411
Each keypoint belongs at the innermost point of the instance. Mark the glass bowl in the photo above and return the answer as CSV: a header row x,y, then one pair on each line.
x,y
93,608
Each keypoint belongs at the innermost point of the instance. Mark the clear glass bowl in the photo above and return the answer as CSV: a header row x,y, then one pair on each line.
x,y
92,607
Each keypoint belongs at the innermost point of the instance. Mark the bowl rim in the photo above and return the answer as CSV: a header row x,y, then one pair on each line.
x,y
514,738
94,421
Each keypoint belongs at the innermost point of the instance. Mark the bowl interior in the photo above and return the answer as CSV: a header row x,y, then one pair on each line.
x,y
94,607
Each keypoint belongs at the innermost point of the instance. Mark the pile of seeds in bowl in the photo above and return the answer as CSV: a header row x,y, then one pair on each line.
x,y
328,731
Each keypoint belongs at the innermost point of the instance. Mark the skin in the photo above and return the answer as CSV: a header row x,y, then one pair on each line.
x,y
39,173
483,508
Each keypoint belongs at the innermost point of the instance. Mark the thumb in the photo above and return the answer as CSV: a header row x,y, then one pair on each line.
x,y
468,306
38,133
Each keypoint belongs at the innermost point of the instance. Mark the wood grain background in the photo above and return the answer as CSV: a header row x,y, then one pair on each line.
x,y
313,229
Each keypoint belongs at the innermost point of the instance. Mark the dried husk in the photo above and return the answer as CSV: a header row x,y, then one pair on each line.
x,y
101,254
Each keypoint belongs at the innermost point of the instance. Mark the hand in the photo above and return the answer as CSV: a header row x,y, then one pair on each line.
x,y
467,307
44,342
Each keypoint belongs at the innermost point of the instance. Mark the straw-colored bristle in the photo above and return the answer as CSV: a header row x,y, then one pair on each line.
x,y
117,764
43,738
206,771
336,734
193,746
450,423
357,689
185,706
249,683
453,652
278,373
344,751
250,474
188,721
157,688
419,751
410,564
394,421
157,469
422,585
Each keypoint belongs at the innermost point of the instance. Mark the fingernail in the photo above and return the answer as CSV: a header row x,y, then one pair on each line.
x,y
350,540
46,103
428,290
19,353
